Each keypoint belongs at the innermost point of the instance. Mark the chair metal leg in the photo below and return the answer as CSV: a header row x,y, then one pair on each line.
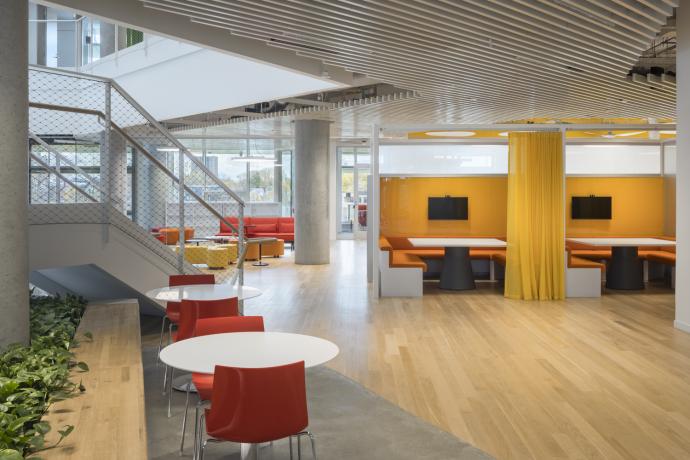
x,y
184,418
299,447
313,445
290,442
165,379
201,445
160,340
170,326
170,390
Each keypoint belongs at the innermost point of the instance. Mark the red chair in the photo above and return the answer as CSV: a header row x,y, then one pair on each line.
x,y
204,382
172,309
257,405
189,312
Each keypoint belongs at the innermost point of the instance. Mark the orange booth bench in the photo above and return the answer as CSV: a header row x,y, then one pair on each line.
x,y
403,267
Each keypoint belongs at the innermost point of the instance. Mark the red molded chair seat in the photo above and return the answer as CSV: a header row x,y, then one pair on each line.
x,y
257,405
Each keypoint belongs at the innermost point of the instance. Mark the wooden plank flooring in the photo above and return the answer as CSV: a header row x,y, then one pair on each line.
x,y
601,378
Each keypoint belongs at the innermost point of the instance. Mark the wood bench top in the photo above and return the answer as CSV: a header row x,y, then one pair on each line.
x,y
109,418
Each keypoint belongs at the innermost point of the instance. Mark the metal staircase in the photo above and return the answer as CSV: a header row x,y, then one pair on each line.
x,y
93,147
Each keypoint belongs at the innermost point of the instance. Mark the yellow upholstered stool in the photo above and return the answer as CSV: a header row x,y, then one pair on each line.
x,y
217,257
232,251
273,248
193,254
252,251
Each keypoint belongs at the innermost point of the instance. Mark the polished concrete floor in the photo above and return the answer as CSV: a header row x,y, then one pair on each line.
x,y
348,422
601,378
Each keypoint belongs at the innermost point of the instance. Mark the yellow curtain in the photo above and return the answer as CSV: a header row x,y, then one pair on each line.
x,y
536,240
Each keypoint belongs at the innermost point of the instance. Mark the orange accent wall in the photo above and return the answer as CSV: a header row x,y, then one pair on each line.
x,y
404,206
637,207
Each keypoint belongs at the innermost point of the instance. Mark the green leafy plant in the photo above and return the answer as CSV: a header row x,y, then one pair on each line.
x,y
32,377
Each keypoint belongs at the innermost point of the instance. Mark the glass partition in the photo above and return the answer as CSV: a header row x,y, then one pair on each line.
x,y
612,159
443,159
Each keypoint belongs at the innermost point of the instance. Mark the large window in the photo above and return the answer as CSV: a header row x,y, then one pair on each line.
x,y
260,171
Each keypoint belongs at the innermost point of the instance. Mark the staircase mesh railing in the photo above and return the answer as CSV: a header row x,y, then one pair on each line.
x,y
136,168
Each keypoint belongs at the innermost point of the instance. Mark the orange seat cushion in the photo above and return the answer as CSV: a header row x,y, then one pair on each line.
x,y
402,259
426,253
580,262
596,254
664,257
500,257
384,244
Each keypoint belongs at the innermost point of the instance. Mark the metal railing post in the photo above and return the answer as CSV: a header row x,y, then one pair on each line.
x,y
181,238
105,157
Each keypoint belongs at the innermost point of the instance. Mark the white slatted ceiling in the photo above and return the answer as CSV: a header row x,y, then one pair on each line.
x,y
470,61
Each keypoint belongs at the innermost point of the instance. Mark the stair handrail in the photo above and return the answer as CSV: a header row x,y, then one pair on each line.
x,y
62,177
63,159
149,118
140,148
239,229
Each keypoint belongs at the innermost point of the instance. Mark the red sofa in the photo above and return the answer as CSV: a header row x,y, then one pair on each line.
x,y
255,227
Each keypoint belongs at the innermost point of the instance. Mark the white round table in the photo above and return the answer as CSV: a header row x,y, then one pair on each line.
x,y
202,292
247,349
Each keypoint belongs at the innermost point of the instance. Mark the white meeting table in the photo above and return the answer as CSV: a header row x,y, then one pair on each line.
x,y
625,270
248,350
456,273
202,292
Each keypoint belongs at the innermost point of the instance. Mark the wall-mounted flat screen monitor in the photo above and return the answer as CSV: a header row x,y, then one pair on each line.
x,y
448,208
591,207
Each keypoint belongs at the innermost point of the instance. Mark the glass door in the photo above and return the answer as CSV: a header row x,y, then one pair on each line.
x,y
353,172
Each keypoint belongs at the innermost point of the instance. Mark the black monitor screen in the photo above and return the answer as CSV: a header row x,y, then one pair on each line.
x,y
448,208
591,207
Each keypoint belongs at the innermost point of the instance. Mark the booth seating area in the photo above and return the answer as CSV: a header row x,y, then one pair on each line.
x,y
663,255
282,228
404,267
582,275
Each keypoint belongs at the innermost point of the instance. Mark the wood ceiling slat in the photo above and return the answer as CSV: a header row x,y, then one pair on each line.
x,y
469,60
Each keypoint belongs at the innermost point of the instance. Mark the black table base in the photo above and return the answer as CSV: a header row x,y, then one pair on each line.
x,y
624,271
457,270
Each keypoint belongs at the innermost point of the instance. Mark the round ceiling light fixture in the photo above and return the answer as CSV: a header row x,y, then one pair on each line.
x,y
450,133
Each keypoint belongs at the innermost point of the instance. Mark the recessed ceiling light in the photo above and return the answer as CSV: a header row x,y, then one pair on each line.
x,y
503,134
450,133
167,149
668,132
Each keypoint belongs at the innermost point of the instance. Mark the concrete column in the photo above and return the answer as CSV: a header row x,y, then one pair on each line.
x,y
151,187
118,172
311,192
14,271
683,169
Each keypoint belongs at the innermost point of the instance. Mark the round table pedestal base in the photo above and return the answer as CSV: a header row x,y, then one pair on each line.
x,y
457,270
251,451
624,270
182,382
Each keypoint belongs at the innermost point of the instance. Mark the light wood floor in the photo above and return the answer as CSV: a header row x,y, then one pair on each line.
x,y
601,378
